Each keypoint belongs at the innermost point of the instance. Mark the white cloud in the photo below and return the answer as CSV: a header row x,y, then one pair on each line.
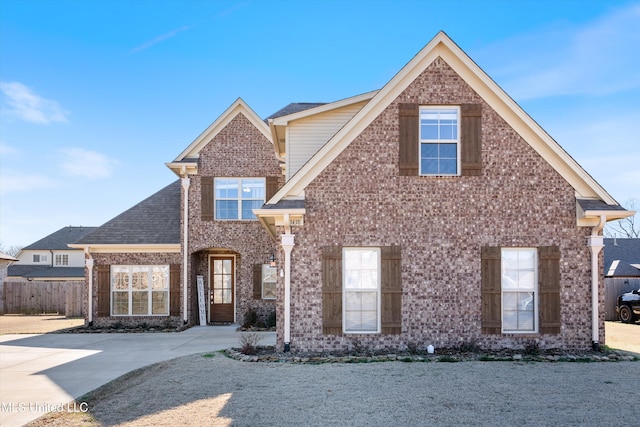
x,y
596,59
6,150
161,38
86,163
20,183
20,101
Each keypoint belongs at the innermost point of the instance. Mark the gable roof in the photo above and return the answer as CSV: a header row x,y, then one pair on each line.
x,y
186,162
153,221
294,107
442,46
7,257
60,239
622,257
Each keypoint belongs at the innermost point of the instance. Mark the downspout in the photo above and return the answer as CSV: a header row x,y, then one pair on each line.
x,y
88,262
185,254
596,243
287,246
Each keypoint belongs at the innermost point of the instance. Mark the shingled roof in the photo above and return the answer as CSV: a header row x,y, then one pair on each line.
x,y
155,220
294,107
44,271
626,252
61,238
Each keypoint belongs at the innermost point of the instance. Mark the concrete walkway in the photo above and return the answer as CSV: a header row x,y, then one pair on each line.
x,y
41,373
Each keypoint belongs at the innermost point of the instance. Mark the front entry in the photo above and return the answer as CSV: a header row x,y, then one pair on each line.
x,y
221,293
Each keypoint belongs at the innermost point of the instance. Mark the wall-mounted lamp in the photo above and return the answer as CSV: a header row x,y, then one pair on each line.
x,y
272,260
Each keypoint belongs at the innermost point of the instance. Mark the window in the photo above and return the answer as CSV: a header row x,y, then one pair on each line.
x,y
139,290
40,258
519,289
269,281
62,259
235,198
439,141
361,296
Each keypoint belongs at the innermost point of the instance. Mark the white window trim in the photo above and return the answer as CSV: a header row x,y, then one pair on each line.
x,y
239,199
378,290
457,141
149,291
62,260
536,293
263,281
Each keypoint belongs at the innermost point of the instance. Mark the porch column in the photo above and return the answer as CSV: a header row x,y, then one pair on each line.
x,y
185,247
88,263
287,246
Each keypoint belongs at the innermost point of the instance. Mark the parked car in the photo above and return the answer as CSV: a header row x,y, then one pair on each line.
x,y
628,307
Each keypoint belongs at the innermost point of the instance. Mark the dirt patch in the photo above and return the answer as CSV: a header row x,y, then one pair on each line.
x,y
21,324
623,336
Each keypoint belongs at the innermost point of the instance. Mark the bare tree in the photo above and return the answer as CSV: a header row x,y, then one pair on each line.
x,y
10,250
626,227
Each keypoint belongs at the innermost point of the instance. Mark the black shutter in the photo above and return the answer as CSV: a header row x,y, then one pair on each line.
x,y
174,290
103,273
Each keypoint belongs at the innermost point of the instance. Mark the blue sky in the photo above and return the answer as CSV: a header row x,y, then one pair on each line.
x,y
95,96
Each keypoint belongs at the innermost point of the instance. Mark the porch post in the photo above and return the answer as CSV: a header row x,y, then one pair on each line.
x,y
185,247
287,246
596,243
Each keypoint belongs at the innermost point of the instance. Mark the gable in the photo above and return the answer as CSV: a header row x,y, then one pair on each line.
x,y
443,48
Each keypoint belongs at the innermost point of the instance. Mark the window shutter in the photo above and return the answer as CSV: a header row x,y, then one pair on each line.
x,y
332,290
103,273
174,290
257,281
471,139
491,290
409,139
271,187
391,289
549,282
206,197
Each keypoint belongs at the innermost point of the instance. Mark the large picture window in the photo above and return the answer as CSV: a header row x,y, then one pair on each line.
x,y
439,141
235,198
519,289
139,290
361,293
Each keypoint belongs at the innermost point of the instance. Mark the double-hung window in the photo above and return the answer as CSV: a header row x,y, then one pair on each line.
x,y
62,259
361,290
439,140
519,289
139,290
235,198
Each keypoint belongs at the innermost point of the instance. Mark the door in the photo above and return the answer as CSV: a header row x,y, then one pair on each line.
x,y
221,294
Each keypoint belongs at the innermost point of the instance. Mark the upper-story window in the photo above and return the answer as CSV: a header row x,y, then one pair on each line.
x,y
235,198
62,259
439,140
40,258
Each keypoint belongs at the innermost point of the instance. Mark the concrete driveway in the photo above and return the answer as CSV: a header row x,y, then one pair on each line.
x,y
41,373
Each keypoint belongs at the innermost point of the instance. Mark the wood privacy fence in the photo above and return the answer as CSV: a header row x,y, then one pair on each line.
x,y
613,288
43,297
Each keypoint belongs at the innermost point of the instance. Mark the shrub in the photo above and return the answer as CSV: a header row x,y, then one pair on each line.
x,y
249,343
250,318
271,320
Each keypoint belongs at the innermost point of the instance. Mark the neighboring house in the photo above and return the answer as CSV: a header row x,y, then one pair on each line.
x,y
50,258
5,261
621,271
433,211
622,257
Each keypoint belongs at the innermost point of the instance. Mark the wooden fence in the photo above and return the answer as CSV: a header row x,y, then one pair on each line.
x,y
613,288
43,297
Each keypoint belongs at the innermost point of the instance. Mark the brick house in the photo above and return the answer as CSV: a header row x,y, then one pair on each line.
x,y
433,211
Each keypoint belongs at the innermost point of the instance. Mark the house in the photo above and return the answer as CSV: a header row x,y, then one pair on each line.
x,y
50,259
621,271
431,211
5,261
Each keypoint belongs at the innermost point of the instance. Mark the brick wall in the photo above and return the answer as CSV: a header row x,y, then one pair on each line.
x,y
441,225
238,150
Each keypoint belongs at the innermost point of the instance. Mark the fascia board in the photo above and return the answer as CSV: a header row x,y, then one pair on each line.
x,y
478,80
117,248
239,106
284,120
